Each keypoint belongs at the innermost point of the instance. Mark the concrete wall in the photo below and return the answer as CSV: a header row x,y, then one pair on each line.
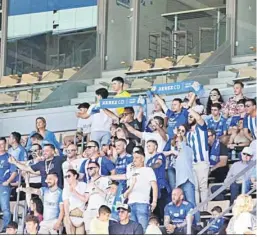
x,y
245,26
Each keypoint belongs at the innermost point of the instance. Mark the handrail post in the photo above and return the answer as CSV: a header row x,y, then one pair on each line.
x,y
189,223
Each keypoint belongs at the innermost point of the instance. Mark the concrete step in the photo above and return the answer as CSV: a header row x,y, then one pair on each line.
x,y
93,88
86,95
219,86
215,81
77,101
226,74
114,73
98,81
236,66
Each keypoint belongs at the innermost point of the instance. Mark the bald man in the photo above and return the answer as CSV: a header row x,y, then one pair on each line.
x,y
72,162
175,213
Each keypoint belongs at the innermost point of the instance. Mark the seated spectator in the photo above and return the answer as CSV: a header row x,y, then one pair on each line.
x,y
100,225
107,167
175,213
125,226
122,133
236,187
46,134
53,205
12,228
242,222
74,195
218,223
153,226
139,201
250,119
177,115
158,134
235,119
214,98
7,175
216,121
218,157
36,208
96,192
32,225
157,162
231,104
49,163
238,138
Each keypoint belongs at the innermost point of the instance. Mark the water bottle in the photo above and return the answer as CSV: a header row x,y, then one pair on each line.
x,y
233,155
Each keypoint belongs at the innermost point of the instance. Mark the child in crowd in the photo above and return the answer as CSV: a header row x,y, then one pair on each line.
x,y
100,225
218,223
12,228
153,226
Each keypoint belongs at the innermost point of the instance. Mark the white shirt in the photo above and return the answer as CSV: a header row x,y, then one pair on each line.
x,y
85,124
142,188
96,199
74,201
153,136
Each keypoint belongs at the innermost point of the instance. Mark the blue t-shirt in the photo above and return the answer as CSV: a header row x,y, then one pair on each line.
x,y
178,214
175,120
216,225
219,126
6,169
106,166
45,167
234,121
51,203
122,163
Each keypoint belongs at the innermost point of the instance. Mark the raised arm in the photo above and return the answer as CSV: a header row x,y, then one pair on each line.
x,y
161,102
20,165
111,115
133,131
196,116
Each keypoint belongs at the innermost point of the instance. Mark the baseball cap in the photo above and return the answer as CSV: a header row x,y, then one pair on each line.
x,y
248,150
124,207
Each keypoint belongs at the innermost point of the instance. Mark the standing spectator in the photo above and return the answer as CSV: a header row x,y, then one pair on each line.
x,y
218,157
197,139
232,101
122,133
50,163
74,195
101,123
125,226
138,200
12,228
217,122
177,115
107,167
46,134
176,212
7,175
158,134
214,97
118,87
95,193
53,205
100,225
157,162
32,225
250,119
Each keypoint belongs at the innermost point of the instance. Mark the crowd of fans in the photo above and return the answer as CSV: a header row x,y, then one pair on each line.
x,y
137,173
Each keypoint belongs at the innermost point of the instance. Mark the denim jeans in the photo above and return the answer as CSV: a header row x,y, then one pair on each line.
x,y
5,204
189,194
172,177
140,212
102,138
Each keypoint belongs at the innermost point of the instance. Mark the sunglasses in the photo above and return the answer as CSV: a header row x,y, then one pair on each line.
x,y
88,147
246,154
67,176
91,168
181,130
190,116
71,150
36,150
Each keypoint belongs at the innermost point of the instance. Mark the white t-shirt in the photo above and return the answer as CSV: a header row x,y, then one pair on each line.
x,y
74,164
142,188
85,124
74,201
96,199
100,121
153,136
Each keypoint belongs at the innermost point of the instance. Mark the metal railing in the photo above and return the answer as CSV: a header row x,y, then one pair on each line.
x,y
216,193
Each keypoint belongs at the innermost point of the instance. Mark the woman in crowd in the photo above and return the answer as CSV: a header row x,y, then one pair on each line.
x,y
214,97
243,221
36,208
46,134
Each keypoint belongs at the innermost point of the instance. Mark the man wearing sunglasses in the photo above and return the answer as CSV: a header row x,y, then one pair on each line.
x,y
107,167
96,192
237,167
